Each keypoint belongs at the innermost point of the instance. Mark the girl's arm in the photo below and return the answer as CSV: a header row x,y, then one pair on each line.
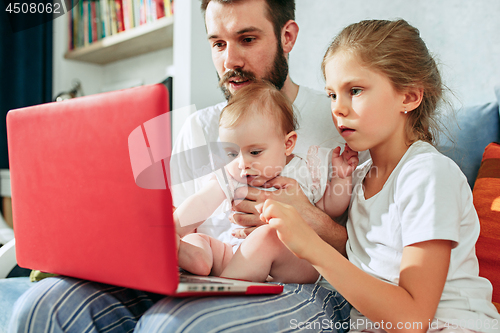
x,y
338,191
198,207
413,302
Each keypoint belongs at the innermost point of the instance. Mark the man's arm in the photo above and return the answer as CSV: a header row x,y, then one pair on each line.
x,y
289,192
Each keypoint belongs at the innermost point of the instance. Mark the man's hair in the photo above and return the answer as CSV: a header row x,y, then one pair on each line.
x,y
262,98
395,49
278,12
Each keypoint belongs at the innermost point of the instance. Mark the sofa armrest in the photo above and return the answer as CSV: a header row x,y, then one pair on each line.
x,y
7,258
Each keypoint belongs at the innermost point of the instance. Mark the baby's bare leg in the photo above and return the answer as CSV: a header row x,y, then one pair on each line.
x,y
263,254
204,255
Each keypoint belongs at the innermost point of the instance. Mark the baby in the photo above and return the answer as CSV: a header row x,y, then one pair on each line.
x,y
257,131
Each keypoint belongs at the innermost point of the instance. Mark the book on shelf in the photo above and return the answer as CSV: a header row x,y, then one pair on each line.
x,y
92,20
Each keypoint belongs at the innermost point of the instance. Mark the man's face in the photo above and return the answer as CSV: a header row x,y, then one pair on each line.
x,y
244,46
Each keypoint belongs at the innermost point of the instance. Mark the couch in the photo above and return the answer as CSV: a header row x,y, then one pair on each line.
x,y
469,133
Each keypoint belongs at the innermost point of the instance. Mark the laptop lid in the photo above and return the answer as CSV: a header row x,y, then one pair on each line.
x,y
76,206
90,195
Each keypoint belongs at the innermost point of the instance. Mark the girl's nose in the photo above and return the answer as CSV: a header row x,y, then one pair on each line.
x,y
340,108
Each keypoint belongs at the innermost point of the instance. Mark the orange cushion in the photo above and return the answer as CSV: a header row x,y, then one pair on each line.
x,y
487,203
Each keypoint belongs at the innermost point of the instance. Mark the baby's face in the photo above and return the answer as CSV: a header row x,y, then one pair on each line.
x,y
262,153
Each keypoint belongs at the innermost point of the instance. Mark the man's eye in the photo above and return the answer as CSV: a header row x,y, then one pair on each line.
x,y
356,91
248,39
218,45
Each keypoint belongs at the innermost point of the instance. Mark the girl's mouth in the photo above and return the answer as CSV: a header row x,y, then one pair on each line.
x,y
346,131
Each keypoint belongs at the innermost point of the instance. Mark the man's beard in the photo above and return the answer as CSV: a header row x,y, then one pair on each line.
x,y
277,75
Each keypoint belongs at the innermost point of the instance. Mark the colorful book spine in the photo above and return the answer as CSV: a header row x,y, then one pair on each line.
x,y
137,13
119,15
126,15
86,15
160,9
93,21
104,18
142,12
168,7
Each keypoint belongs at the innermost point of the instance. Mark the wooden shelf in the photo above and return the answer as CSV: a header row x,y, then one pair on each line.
x,y
143,39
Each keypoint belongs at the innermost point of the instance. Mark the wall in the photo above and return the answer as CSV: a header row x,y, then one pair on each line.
x,y
464,35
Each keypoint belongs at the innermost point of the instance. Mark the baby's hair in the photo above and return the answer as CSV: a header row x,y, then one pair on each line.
x,y
263,98
395,49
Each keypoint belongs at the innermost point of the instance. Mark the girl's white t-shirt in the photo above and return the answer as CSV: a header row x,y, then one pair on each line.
x,y
426,197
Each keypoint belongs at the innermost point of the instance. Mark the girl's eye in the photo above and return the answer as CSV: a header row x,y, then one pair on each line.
x,y
332,96
356,91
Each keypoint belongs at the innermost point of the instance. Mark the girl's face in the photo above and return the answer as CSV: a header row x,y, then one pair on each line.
x,y
367,111
263,149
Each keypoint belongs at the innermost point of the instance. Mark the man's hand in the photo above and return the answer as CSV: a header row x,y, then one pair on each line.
x,y
246,198
288,192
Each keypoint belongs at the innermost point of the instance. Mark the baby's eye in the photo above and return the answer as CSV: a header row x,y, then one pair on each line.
x,y
356,91
332,96
255,152
232,155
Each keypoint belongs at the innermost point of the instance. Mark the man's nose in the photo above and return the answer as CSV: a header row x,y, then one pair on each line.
x,y
234,57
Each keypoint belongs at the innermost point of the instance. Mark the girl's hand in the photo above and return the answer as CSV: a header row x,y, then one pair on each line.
x,y
344,164
291,228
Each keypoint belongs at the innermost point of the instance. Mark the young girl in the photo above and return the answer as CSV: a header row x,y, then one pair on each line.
x,y
257,132
412,226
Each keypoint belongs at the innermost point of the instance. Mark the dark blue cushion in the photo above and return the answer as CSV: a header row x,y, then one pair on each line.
x,y
477,127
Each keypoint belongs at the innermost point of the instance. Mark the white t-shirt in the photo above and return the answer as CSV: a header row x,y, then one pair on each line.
x,y
426,197
316,127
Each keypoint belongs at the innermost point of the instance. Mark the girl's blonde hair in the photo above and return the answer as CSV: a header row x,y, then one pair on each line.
x,y
395,49
263,98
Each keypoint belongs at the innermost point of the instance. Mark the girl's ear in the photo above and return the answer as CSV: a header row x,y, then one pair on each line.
x,y
290,141
289,34
412,98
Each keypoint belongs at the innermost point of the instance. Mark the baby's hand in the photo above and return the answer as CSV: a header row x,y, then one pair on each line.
x,y
344,164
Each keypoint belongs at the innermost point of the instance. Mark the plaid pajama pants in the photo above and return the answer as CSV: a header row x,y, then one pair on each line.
x,y
65,304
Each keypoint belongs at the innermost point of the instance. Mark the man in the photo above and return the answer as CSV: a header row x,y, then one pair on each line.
x,y
250,40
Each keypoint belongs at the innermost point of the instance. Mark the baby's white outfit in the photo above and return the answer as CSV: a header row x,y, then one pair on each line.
x,y
312,172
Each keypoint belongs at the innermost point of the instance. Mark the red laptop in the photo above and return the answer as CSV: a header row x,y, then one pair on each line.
x,y
77,209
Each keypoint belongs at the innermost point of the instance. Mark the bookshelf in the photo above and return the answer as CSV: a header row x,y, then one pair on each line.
x,y
132,42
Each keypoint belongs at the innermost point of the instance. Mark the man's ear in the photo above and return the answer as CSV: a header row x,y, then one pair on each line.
x,y
289,34
290,141
412,98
